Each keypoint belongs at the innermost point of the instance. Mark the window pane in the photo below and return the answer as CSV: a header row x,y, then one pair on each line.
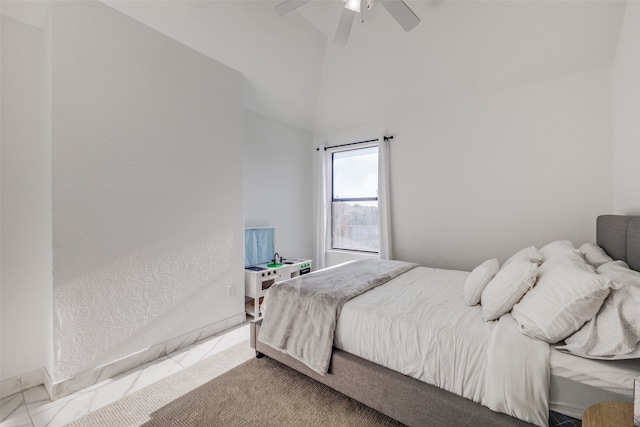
x,y
355,226
355,173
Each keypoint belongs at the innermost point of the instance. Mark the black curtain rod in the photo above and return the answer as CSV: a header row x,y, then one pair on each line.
x,y
386,138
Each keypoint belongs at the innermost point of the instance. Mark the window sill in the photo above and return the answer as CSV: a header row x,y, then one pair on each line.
x,y
356,253
336,256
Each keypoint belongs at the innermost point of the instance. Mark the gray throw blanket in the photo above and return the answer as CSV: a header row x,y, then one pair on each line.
x,y
301,313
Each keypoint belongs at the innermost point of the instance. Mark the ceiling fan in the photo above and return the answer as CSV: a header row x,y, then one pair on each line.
x,y
397,8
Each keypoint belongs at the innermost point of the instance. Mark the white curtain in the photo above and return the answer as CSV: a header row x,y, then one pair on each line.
x,y
322,163
384,202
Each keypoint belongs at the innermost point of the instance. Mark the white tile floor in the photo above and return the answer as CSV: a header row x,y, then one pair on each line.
x,y
33,408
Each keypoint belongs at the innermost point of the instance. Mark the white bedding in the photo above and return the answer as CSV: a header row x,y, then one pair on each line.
x,y
303,311
418,324
577,383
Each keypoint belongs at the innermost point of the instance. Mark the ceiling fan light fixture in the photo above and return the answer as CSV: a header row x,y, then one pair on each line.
x,y
353,5
396,8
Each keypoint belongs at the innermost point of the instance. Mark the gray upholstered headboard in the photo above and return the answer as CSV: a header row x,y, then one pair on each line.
x,y
619,236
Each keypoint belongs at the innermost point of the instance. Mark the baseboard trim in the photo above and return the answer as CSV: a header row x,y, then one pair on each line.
x,y
21,382
93,376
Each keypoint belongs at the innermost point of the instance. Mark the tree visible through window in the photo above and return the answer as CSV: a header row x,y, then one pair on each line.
x,y
354,204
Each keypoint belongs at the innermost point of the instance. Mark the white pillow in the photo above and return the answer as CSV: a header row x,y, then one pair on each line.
x,y
565,259
564,298
594,254
507,288
530,254
558,248
614,333
478,279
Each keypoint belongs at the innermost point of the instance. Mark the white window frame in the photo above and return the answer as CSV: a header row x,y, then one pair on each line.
x,y
331,200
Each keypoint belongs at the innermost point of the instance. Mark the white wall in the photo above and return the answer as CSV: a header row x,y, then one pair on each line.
x,y
278,182
460,49
626,115
280,57
487,175
147,188
26,280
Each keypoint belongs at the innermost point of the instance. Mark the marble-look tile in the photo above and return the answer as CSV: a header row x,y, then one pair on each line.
x,y
129,382
87,379
181,342
36,397
130,362
48,383
153,353
23,421
211,330
10,386
69,408
207,332
62,411
33,407
110,370
13,411
201,350
194,353
77,383
20,421
32,379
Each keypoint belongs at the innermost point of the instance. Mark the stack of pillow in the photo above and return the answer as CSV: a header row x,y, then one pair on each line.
x,y
506,286
614,333
581,296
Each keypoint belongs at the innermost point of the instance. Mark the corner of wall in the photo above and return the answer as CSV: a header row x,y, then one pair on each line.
x,y
626,110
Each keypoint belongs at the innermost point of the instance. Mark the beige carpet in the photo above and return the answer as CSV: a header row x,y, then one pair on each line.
x,y
256,392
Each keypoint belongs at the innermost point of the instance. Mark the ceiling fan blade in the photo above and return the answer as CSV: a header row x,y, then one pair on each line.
x,y
344,27
289,6
402,13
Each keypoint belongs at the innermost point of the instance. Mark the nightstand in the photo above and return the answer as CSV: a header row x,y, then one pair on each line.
x,y
608,414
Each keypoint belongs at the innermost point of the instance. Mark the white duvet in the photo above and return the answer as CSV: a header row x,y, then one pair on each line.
x,y
418,324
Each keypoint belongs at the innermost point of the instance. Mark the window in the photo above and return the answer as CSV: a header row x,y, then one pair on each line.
x,y
354,199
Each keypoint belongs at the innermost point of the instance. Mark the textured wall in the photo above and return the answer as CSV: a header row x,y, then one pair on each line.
x,y
147,188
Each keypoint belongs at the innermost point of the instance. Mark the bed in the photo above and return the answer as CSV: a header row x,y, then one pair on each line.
x,y
571,383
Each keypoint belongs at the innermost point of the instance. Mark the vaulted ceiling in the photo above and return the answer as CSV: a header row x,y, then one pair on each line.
x,y
295,74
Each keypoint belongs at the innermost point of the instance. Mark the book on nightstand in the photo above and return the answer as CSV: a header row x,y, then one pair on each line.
x,y
636,402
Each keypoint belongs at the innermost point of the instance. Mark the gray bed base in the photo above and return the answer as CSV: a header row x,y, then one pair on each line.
x,y
416,403
410,401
